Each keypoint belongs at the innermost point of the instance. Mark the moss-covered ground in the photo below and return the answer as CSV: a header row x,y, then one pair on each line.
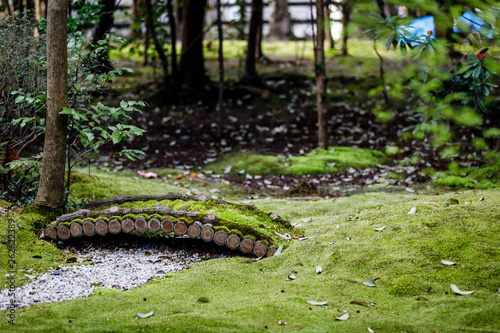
x,y
403,259
333,159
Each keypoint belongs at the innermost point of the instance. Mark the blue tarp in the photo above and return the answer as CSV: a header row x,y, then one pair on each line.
x,y
473,22
419,27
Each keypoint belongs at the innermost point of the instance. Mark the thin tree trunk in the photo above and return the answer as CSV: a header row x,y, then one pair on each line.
x,y
173,38
221,70
328,25
103,27
346,19
319,69
158,45
51,188
192,63
250,60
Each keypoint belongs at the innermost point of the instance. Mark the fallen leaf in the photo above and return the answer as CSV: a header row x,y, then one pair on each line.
x,y
317,303
304,238
343,317
369,283
319,269
380,229
278,251
421,298
448,263
451,201
96,284
460,292
307,220
359,302
145,315
147,174
282,236
203,300
31,277
413,210
370,330
292,277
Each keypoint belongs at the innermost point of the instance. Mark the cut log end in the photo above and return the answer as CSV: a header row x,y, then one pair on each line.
x,y
115,227
167,225
141,224
88,228
76,229
194,230
220,237
246,245
101,227
271,251
63,232
233,241
180,228
127,225
50,232
260,249
207,233
154,224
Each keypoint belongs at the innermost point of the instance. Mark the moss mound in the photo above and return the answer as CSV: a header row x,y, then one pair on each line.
x,y
332,160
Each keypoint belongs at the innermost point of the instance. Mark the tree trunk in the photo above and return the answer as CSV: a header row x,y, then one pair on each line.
x,y
173,38
255,21
319,69
192,64
280,23
221,70
137,17
328,25
158,45
51,188
346,19
103,27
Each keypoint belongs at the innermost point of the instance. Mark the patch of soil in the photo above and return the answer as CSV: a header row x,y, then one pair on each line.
x,y
279,120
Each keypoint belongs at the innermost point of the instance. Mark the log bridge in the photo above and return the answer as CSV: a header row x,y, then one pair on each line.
x,y
163,220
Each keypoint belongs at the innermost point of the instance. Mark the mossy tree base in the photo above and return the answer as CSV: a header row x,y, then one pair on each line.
x,y
158,216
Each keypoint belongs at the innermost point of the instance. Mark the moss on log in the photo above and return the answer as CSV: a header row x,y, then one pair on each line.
x,y
239,227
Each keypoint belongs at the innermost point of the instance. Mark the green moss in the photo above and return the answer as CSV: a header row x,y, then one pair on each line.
x,y
333,160
485,177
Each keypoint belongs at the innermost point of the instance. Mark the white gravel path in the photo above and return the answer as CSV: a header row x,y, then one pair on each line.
x,y
117,267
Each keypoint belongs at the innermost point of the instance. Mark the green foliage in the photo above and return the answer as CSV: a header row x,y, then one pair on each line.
x,y
19,180
442,100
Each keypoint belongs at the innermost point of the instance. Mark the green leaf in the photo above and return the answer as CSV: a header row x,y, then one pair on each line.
x,y
123,104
